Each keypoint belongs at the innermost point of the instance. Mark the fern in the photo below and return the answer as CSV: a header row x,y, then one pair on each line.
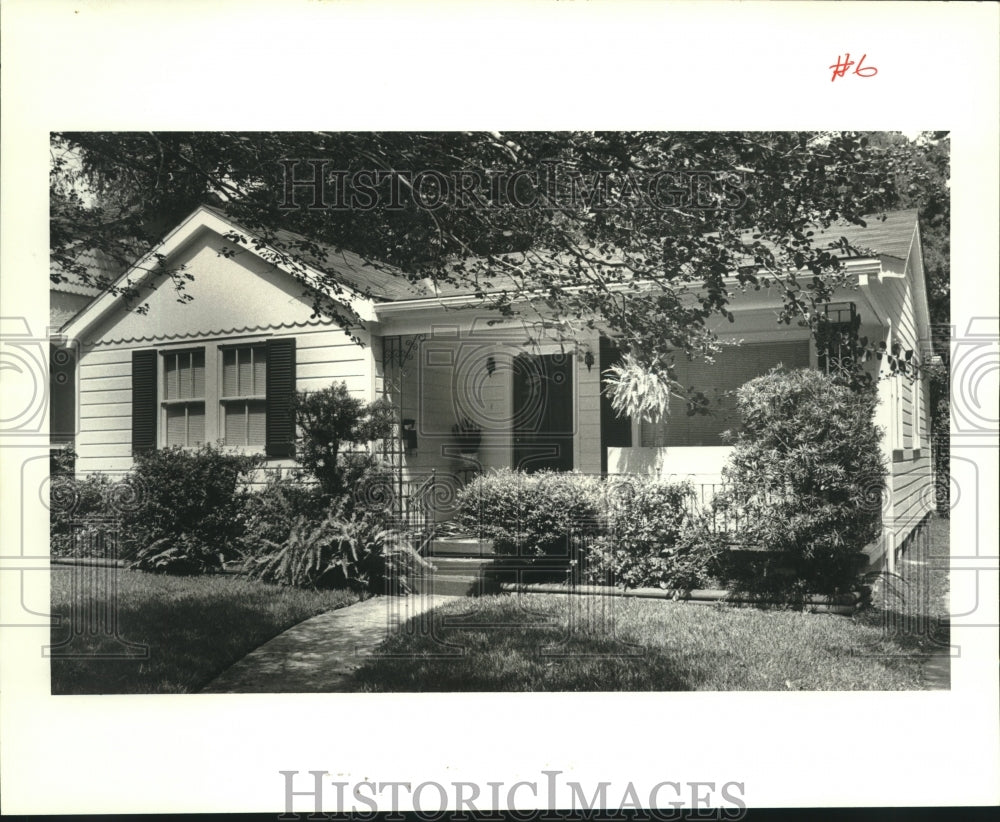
x,y
339,551
637,391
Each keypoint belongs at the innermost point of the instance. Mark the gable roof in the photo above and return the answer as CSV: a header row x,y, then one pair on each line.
x,y
202,218
367,283
100,268
892,237
379,281
889,237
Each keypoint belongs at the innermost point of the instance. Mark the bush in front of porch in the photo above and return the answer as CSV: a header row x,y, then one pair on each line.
x,y
805,481
633,531
328,525
531,515
653,537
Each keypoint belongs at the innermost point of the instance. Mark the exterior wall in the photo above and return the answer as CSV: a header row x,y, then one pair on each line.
x,y
904,414
701,465
235,300
587,420
446,378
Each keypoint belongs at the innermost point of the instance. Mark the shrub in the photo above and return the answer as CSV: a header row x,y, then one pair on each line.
x,y
188,507
652,537
330,419
340,550
78,514
806,476
531,514
272,511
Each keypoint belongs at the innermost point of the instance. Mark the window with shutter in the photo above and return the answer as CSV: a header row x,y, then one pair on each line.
x,y
183,400
240,394
144,407
244,395
280,396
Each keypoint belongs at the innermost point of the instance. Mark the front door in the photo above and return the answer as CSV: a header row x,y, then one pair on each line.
x,y
543,412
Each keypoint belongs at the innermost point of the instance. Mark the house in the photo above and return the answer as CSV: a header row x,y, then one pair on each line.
x,y
225,366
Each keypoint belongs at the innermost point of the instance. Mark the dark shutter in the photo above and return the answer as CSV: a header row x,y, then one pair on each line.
x,y
280,396
143,401
62,395
616,432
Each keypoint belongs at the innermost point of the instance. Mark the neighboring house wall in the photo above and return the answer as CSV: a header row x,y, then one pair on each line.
x,y
64,306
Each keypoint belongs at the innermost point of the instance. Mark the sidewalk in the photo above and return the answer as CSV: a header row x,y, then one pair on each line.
x,y
321,654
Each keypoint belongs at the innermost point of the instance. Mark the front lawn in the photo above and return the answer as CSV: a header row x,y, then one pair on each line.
x,y
538,642
194,627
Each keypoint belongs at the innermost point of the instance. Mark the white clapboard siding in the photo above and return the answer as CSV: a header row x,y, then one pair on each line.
x,y
269,307
587,453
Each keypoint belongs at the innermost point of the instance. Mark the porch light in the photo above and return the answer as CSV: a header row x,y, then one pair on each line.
x,y
588,360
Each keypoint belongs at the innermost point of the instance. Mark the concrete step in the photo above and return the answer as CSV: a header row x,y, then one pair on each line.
x,y
455,585
468,566
460,547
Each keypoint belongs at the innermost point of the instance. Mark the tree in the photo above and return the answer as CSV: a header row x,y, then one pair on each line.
x,y
631,232
330,419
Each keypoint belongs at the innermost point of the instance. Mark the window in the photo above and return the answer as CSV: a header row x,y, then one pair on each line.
x,y
184,397
241,395
834,336
244,380
917,411
896,407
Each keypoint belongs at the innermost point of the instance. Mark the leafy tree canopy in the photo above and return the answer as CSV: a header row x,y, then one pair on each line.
x,y
639,232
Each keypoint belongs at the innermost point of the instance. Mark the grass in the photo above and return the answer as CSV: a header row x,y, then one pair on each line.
x,y
193,627
537,642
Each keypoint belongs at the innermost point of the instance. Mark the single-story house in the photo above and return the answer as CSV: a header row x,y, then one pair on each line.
x,y
225,365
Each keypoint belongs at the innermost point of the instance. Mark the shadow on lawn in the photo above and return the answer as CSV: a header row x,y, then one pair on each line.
x,y
519,648
86,664
193,627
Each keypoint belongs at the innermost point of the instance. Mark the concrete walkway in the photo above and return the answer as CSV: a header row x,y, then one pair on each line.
x,y
321,654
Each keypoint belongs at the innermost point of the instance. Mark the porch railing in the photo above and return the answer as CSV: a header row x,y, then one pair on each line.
x,y
413,509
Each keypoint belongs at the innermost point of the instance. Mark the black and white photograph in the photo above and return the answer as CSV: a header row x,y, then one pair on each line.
x,y
496,411
431,408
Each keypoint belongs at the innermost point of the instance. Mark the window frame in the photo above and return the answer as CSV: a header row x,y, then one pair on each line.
x,y
165,403
259,395
212,397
